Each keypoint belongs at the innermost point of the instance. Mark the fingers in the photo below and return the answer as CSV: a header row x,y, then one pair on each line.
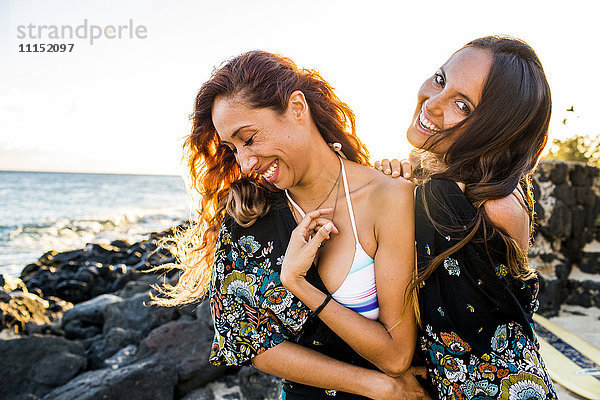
x,y
385,166
406,169
396,168
309,217
317,223
322,234
312,223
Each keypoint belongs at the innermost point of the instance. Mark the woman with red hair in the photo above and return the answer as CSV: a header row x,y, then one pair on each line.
x,y
269,142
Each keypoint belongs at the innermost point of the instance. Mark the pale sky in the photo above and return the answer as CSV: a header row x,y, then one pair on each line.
x,y
122,105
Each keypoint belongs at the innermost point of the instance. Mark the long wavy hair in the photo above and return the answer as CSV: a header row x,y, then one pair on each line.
x,y
497,148
261,80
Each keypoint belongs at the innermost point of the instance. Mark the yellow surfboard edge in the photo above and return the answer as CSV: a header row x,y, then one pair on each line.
x,y
562,356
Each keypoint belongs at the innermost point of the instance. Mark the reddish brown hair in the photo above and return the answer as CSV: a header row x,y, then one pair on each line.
x,y
261,80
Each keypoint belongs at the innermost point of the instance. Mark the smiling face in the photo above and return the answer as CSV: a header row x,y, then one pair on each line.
x,y
263,141
449,96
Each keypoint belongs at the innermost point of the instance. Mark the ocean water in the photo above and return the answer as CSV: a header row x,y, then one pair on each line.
x,y
41,211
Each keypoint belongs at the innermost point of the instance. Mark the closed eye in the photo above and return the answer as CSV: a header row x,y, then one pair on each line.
x,y
250,141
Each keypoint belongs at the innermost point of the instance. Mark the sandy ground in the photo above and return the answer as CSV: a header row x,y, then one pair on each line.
x,y
585,322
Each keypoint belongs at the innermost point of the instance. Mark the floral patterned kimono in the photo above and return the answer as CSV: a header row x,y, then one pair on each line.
x,y
253,312
477,335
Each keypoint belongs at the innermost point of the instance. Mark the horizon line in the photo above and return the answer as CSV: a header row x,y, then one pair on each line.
x,y
87,172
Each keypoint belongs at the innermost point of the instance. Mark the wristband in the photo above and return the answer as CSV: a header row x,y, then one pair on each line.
x,y
321,307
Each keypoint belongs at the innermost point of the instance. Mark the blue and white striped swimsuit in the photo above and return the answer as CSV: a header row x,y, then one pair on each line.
x,y
358,290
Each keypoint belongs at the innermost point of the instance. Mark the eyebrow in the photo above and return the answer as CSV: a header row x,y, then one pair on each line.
x,y
459,93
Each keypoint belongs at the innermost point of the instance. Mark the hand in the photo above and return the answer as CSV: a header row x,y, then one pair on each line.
x,y
304,244
406,386
395,167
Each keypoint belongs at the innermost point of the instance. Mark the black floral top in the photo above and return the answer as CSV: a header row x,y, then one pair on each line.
x,y
251,309
253,312
477,337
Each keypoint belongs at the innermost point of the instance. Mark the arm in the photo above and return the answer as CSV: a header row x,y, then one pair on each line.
x,y
248,332
388,343
299,364
510,215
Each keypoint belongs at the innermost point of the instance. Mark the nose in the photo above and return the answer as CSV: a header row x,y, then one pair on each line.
x,y
433,104
247,161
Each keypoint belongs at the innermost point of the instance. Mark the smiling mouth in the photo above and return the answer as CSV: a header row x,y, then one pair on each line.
x,y
426,124
270,173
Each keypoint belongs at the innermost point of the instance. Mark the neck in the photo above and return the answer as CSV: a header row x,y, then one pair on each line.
x,y
320,175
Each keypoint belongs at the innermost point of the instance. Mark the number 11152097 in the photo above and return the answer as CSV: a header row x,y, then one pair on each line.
x,y
46,48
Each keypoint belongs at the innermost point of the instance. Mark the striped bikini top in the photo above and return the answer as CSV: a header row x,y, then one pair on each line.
x,y
358,290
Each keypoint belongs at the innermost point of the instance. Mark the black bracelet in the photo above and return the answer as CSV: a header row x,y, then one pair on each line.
x,y
313,314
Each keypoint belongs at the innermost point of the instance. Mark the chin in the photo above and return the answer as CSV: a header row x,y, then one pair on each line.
x,y
415,138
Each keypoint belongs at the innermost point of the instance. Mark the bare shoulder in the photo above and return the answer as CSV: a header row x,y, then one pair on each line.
x,y
382,191
509,215
386,191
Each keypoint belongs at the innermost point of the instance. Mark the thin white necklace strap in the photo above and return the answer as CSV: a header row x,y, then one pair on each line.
x,y
348,201
296,206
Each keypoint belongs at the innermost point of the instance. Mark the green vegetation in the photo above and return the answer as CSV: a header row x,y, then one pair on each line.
x,y
576,148
582,148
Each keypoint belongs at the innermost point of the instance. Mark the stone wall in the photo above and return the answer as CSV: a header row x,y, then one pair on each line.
x,y
566,247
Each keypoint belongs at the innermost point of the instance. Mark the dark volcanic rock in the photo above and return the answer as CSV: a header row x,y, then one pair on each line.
x,y
77,329
87,319
123,357
30,269
109,344
149,379
590,263
257,385
559,225
68,256
584,293
36,365
103,253
551,296
558,174
188,344
133,313
23,308
73,290
142,284
200,394
92,310
122,245
4,297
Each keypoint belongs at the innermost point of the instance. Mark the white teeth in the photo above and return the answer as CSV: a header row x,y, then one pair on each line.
x,y
269,173
426,124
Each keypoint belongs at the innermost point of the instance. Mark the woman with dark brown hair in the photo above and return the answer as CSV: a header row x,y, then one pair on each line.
x,y
480,126
270,140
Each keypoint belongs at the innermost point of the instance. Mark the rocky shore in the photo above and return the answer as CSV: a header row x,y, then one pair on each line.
x,y
77,324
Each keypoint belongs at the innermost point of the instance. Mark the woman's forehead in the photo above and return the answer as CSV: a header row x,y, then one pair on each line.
x,y
230,116
467,71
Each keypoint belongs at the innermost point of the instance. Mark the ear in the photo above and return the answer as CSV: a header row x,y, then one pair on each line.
x,y
298,106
